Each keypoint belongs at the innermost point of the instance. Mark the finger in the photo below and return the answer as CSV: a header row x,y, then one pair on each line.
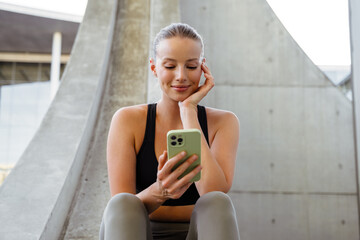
x,y
174,160
184,181
174,176
208,76
207,86
209,82
184,166
207,73
162,160
205,68
181,191
169,165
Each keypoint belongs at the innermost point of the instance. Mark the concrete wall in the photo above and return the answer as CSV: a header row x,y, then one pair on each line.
x,y
354,13
36,197
162,13
295,174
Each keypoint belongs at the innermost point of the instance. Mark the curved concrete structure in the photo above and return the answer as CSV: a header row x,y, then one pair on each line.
x,y
295,174
36,197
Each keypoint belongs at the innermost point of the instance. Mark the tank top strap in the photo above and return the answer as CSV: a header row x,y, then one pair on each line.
x,y
150,123
203,121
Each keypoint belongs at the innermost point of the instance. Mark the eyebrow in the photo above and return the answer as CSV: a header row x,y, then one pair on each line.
x,y
193,59
189,60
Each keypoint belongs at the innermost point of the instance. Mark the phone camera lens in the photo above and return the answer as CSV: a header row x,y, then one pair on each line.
x,y
173,137
173,143
180,140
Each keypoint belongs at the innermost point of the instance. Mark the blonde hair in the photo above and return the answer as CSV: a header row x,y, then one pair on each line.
x,y
178,30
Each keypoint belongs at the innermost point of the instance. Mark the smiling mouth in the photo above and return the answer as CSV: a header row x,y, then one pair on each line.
x,y
180,88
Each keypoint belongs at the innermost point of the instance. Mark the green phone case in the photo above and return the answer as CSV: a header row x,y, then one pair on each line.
x,y
188,140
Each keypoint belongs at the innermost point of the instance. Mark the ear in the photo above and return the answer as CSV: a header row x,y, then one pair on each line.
x,y
153,66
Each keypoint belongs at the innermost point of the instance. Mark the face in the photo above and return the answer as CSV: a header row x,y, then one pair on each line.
x,y
178,67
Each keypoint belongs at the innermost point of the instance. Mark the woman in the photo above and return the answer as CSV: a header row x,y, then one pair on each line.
x,y
148,200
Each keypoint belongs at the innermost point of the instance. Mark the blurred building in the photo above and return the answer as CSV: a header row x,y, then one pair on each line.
x,y
29,38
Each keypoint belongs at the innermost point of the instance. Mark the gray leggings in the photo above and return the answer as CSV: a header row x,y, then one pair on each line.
x,y
213,217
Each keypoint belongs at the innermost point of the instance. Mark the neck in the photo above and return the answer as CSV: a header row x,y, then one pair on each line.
x,y
169,112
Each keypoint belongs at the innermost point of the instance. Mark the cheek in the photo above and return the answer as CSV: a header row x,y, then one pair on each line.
x,y
164,75
195,75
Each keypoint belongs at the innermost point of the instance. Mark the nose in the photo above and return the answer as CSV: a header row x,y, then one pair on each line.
x,y
181,74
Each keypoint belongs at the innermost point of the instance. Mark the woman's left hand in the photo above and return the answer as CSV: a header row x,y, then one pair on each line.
x,y
202,91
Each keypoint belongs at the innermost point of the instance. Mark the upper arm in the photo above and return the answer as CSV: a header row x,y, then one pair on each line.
x,y
121,154
225,143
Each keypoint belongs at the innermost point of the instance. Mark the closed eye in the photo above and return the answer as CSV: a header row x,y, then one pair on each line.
x,y
169,67
193,68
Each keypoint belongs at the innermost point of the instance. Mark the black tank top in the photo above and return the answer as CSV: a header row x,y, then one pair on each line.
x,y
147,164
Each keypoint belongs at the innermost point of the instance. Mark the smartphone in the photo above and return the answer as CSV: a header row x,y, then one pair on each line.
x,y
188,140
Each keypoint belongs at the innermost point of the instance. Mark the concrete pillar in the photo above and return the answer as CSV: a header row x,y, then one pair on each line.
x,y
162,14
354,10
55,63
126,84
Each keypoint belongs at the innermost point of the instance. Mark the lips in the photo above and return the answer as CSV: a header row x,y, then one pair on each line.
x,y
180,88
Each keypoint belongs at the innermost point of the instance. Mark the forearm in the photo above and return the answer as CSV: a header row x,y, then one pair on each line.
x,y
212,175
151,197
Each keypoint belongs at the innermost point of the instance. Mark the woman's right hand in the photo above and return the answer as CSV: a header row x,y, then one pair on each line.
x,y
169,186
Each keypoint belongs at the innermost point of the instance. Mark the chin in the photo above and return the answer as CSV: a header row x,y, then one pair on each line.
x,y
178,98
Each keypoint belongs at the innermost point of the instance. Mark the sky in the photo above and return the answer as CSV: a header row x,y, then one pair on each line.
x,y
320,27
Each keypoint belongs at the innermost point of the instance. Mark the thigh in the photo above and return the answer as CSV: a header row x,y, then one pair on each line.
x,y
213,217
125,217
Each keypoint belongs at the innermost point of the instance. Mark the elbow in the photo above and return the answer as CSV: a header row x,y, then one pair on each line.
x,y
206,189
219,184
226,188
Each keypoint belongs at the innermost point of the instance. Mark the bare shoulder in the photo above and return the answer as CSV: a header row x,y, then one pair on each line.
x,y
128,124
218,117
131,114
129,120
222,123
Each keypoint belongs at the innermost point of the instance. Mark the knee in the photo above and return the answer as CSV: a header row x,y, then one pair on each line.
x,y
123,203
215,209
216,201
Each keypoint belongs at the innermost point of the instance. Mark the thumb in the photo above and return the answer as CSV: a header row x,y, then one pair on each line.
x,y
162,160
